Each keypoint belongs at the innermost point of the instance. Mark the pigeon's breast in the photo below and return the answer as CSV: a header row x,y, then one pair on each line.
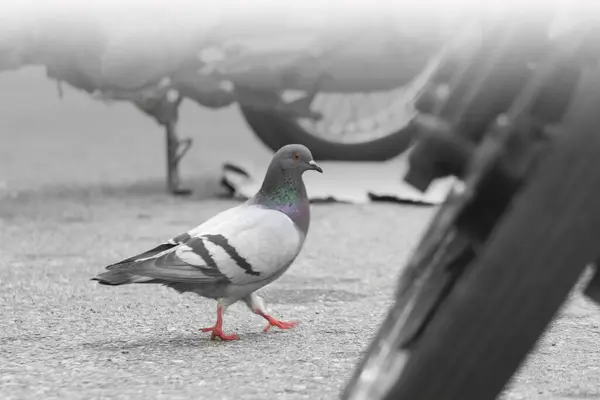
x,y
297,212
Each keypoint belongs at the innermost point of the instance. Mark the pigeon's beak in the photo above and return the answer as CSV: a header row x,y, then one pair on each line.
x,y
313,165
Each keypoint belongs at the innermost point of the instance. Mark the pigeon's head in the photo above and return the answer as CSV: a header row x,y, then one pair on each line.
x,y
295,157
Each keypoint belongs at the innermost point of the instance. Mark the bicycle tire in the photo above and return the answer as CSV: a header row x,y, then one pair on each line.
x,y
276,130
495,314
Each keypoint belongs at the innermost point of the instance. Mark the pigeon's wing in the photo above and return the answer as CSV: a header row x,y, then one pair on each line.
x,y
242,247
219,218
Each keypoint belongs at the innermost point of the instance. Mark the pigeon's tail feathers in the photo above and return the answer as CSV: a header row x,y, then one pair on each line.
x,y
115,278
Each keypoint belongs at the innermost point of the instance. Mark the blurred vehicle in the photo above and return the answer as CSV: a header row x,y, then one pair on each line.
x,y
340,80
517,125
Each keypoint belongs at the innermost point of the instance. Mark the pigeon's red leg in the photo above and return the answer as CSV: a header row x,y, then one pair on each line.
x,y
256,304
217,329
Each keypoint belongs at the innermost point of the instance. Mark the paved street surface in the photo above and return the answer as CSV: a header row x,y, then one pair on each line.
x,y
82,185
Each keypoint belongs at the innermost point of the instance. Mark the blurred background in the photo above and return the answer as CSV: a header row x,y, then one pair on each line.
x,y
142,77
78,141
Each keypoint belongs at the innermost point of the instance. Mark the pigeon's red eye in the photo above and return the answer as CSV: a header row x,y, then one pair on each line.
x,y
296,156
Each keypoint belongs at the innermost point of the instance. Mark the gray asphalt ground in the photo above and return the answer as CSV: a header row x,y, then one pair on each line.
x,y
82,185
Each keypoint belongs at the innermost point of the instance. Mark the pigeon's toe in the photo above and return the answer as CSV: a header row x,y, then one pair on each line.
x,y
279,324
217,332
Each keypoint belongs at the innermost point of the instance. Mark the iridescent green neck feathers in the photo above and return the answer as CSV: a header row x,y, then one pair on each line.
x,y
285,191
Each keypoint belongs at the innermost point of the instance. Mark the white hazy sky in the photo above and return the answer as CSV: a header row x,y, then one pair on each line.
x,y
142,15
302,6
300,9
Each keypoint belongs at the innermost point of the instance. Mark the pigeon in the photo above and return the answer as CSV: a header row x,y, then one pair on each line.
x,y
238,251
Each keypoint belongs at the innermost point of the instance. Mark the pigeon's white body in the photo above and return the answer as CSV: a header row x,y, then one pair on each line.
x,y
249,230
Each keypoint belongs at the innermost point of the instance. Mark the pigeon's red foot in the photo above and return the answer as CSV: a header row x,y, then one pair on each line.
x,y
217,329
217,332
277,323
